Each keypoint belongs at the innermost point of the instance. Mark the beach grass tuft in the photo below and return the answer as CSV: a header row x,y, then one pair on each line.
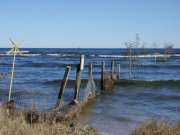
x,y
17,125
157,127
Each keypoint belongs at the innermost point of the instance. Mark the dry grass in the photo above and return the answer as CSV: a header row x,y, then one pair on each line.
x,y
18,126
45,123
157,127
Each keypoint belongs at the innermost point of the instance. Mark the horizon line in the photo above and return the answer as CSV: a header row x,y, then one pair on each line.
x,y
83,48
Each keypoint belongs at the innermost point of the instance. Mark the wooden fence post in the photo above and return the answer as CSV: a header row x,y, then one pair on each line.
x,y
118,71
78,82
63,86
102,75
90,69
112,70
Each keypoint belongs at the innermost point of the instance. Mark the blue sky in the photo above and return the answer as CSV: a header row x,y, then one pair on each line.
x,y
89,23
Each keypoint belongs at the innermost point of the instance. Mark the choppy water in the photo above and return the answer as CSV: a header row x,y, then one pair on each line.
x,y
152,92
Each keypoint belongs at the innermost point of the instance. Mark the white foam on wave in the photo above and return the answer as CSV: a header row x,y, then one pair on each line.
x,y
31,54
24,51
18,51
141,56
8,54
55,54
69,55
176,55
153,55
64,55
116,56
20,54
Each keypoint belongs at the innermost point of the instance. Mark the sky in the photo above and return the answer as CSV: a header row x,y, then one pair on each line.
x,y
89,23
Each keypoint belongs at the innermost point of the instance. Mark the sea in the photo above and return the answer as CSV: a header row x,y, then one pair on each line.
x,y
151,89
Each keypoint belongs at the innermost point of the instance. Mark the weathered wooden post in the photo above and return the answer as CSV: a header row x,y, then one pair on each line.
x,y
102,75
118,71
78,78
90,69
78,82
112,70
63,86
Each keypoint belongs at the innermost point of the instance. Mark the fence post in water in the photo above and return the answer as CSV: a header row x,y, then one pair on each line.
x,y
102,75
90,69
112,70
78,82
63,86
118,71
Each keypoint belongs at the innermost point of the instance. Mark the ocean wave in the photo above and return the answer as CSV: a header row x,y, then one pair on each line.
x,y
25,51
26,93
55,54
141,56
166,97
70,82
149,82
18,51
150,55
69,55
64,55
20,54
176,55
109,56
32,54
93,55
124,82
4,54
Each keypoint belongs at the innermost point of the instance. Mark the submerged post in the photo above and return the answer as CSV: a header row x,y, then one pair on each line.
x,y
78,82
118,71
63,86
102,75
112,70
90,69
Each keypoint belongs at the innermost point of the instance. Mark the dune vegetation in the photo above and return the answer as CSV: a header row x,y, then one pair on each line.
x,y
17,125
157,127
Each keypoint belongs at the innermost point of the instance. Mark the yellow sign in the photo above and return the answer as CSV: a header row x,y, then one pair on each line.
x,y
13,49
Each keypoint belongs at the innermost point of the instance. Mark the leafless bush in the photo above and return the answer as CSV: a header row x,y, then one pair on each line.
x,y
168,49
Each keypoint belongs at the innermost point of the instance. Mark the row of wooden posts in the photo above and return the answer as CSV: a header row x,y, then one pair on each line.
x,y
111,74
78,80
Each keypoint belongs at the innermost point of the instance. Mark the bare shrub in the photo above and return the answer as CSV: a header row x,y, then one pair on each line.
x,y
168,49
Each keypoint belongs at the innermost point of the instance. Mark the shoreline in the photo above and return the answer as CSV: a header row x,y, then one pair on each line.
x,y
17,125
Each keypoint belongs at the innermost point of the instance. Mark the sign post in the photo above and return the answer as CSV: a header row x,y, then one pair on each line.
x,y
80,67
82,62
13,49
